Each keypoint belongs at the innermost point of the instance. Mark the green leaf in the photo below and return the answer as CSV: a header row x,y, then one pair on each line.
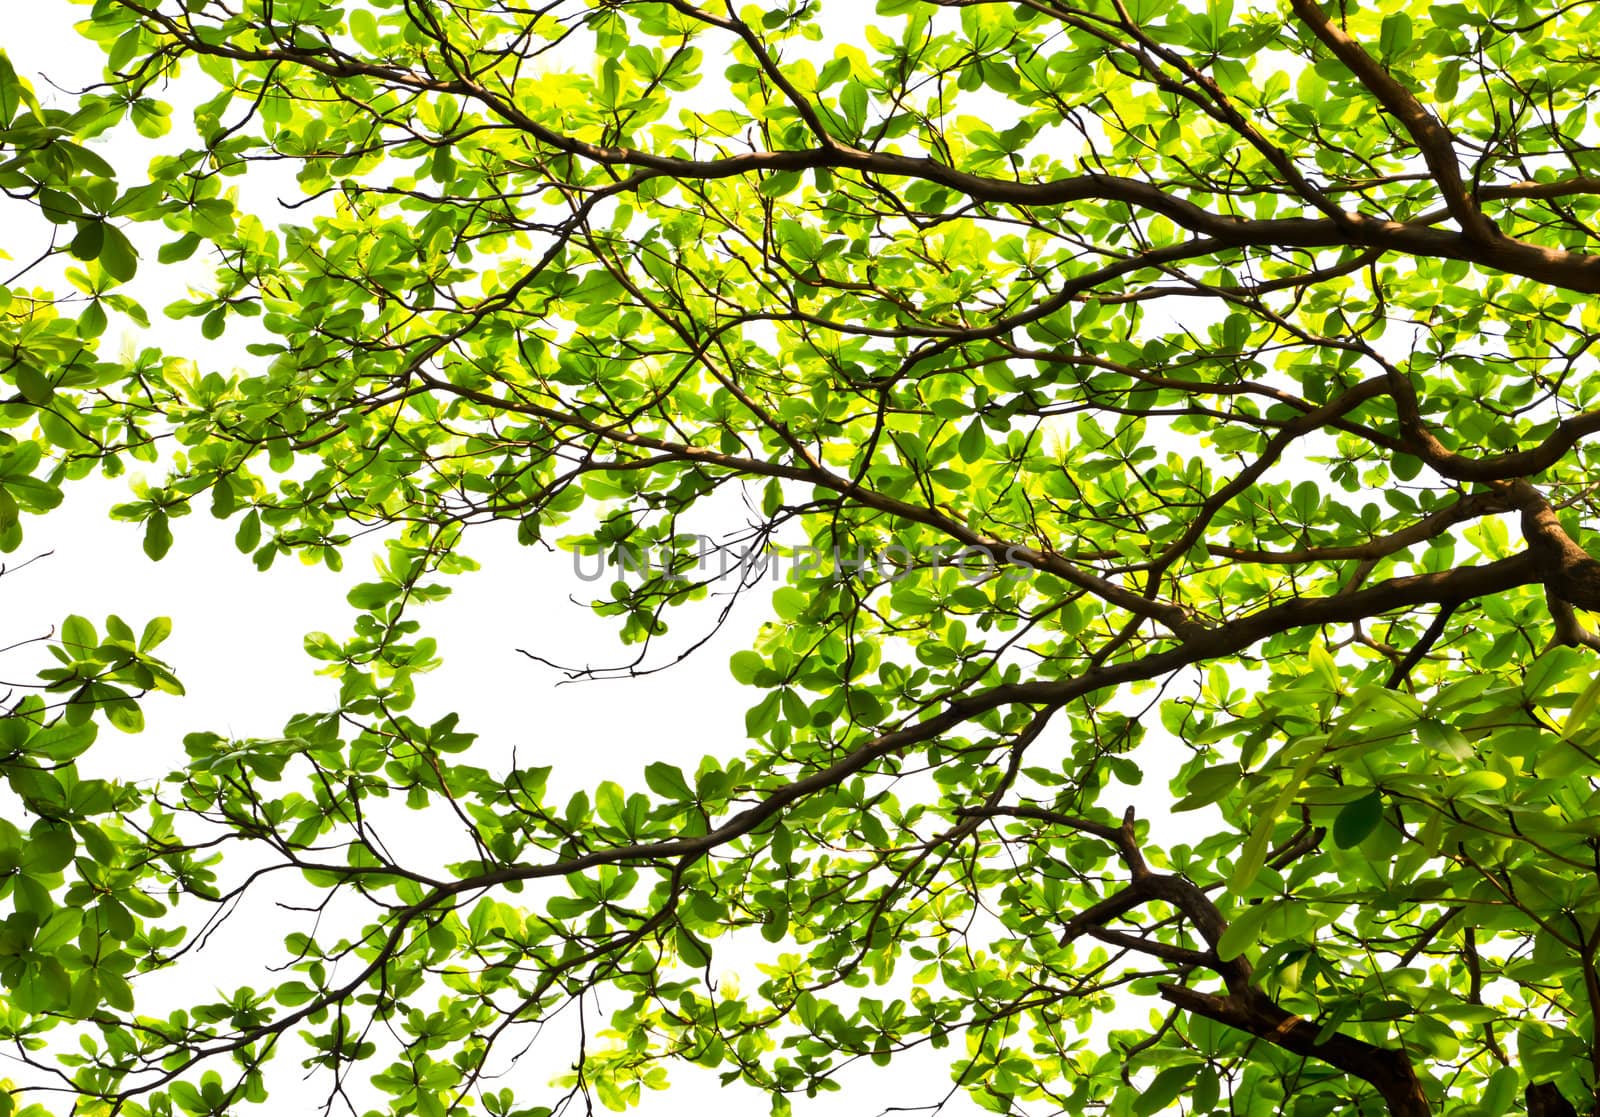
x,y
1357,819
1469,783
125,715
694,953
33,385
117,256
764,715
157,536
1500,1092
90,239
1448,83
60,929
667,780
248,537
746,666
180,249
14,92
1253,854
62,741
1394,38
364,28
78,635
49,849
44,986
1244,930
155,633
853,100
91,323
1164,1088
373,595
1583,709
974,442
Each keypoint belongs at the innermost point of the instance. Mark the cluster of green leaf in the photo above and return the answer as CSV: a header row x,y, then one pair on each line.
x,y
80,861
56,384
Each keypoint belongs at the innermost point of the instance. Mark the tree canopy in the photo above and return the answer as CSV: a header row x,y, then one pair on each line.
x,y
1167,424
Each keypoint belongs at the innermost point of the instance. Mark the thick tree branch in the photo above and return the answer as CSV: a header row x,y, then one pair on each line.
x,y
1544,1099
1567,570
1431,526
1250,1011
1432,137
1498,467
1244,1006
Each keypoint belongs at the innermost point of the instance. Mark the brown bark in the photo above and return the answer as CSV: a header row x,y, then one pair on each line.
x,y
1566,568
1387,1070
1432,138
1544,1100
1244,1006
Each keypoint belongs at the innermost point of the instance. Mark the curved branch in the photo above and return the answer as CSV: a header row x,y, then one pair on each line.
x,y
1244,1006
1429,527
1433,139
1253,1012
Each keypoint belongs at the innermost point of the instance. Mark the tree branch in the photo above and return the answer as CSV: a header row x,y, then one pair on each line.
x,y
1433,139
1253,1012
